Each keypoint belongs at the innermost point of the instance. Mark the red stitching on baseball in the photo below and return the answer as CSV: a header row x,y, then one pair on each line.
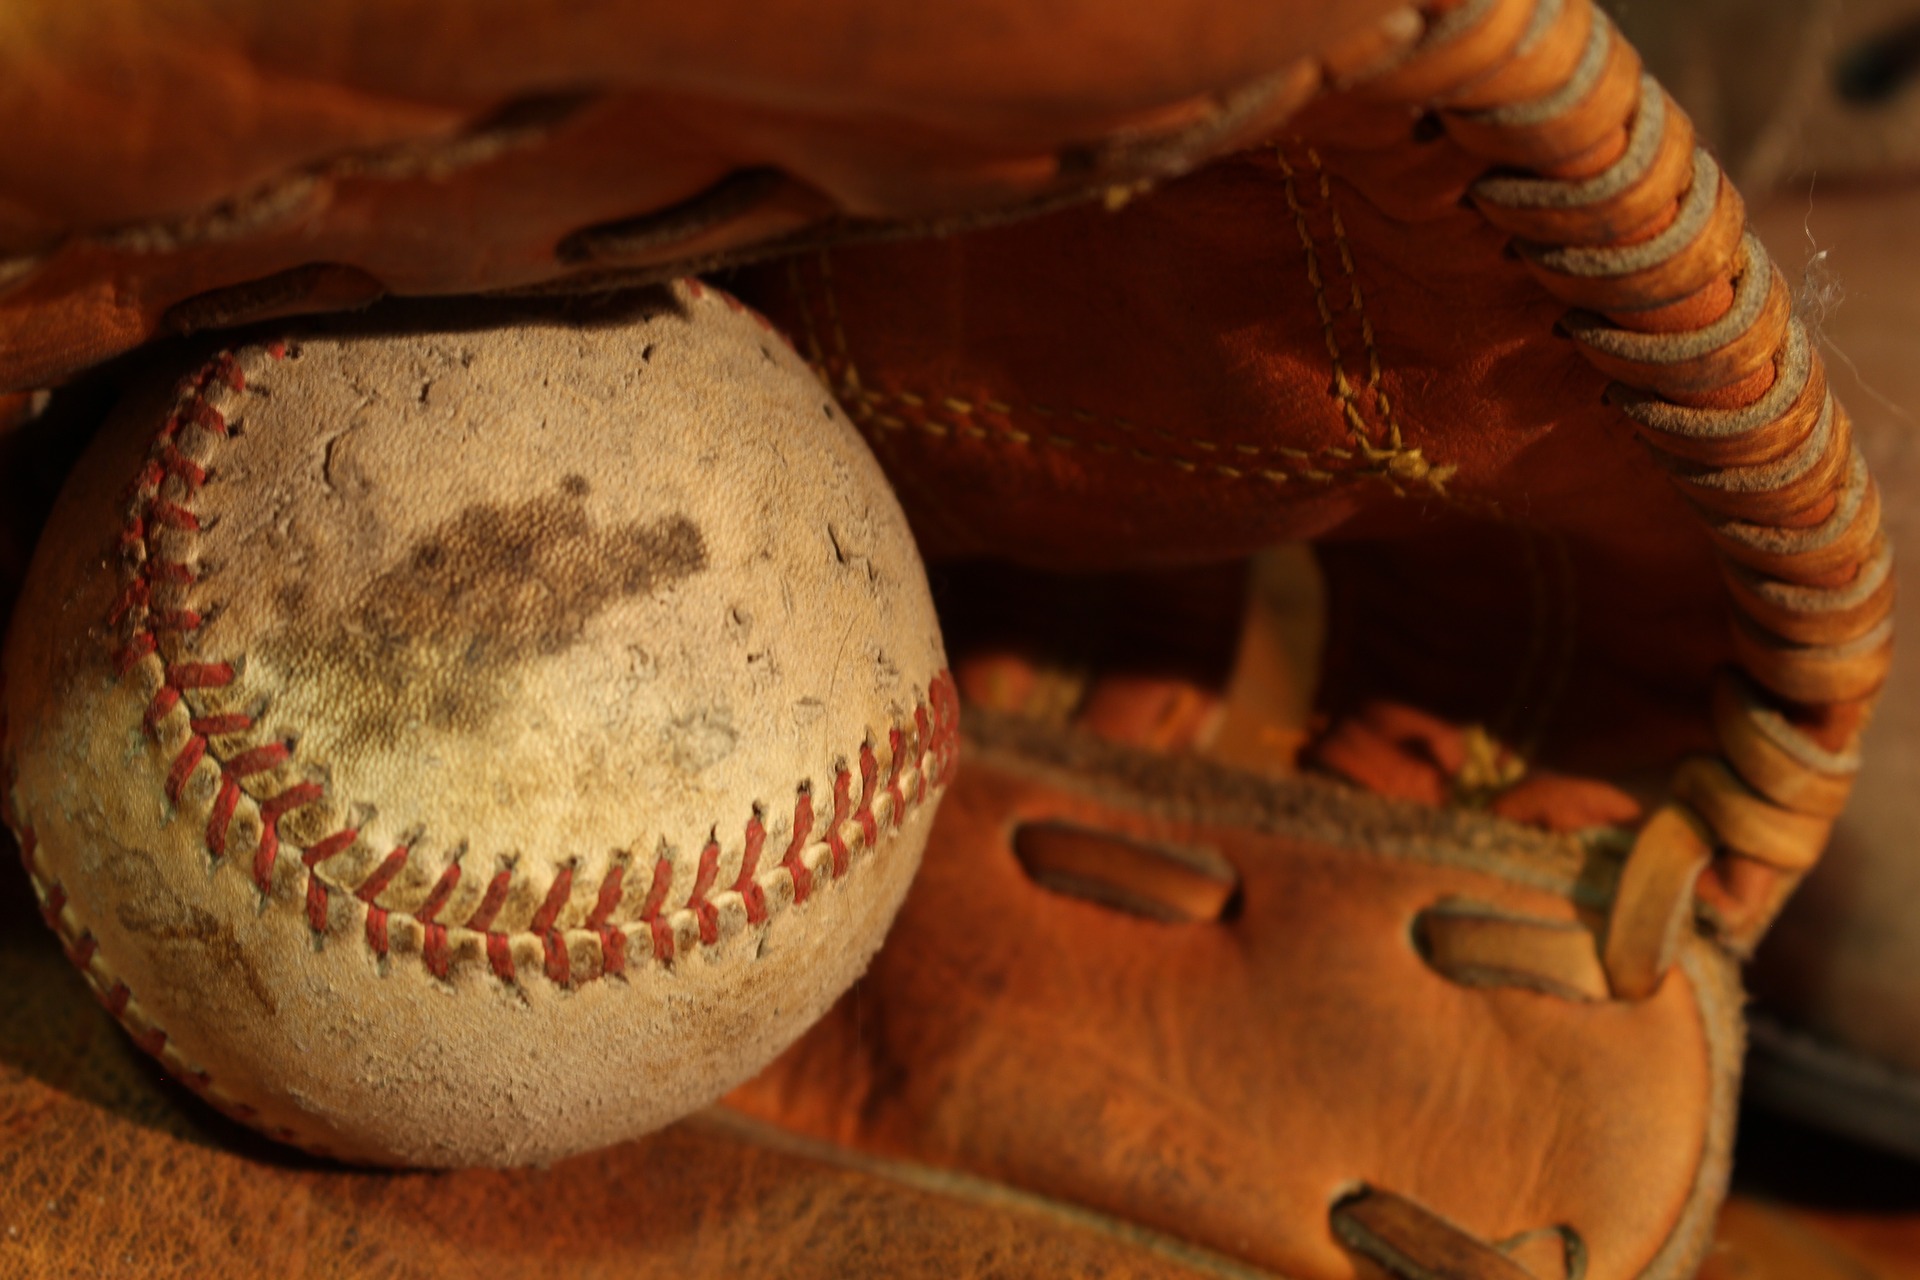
x,y
895,743
433,947
172,515
377,930
200,675
258,759
203,415
842,802
176,463
139,646
920,758
184,764
802,827
370,889
147,619
56,899
297,796
221,818
745,884
337,843
482,918
559,967
869,775
500,956
613,952
433,950
162,705
613,943
316,904
650,911
945,696
135,595
382,875
702,907
442,890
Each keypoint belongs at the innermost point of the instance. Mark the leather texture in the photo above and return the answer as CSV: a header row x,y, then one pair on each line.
x,y
1315,339
1172,412
1842,1045
1026,1078
1331,332
107,1170
315,156
1007,1039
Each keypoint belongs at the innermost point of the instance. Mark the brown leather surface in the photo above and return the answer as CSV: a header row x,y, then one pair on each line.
x,y
1229,1081
1021,1074
265,158
1105,387
1480,453
107,1171
1317,338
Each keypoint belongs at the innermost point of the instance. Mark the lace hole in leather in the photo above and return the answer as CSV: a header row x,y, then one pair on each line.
x,y
1170,883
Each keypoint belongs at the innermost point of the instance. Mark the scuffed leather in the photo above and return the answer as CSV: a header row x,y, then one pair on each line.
x,y
1311,339
1469,360
106,1171
308,156
1227,1082
1216,1086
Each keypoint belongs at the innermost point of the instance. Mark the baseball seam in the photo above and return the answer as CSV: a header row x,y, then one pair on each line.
x,y
83,951
257,784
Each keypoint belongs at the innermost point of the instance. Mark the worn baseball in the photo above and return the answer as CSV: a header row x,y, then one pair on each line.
x,y
469,746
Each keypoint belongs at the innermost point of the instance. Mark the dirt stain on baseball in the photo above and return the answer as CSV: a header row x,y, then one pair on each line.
x,y
434,639
164,918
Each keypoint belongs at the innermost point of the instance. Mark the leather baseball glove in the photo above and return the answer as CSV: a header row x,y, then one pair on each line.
x,y
1382,920
1830,163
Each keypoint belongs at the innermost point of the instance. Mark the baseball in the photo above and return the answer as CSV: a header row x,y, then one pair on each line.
x,y
474,745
